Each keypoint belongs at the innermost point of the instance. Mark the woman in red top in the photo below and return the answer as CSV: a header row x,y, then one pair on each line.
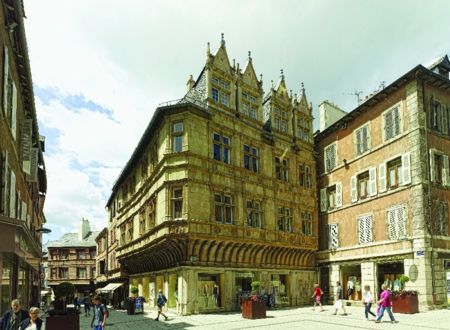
x,y
316,296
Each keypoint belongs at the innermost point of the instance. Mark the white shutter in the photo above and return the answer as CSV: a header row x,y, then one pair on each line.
x,y
34,165
27,131
445,172
432,165
24,211
372,181
358,141
406,168
444,119
323,200
354,190
382,177
14,111
12,196
338,199
5,80
369,141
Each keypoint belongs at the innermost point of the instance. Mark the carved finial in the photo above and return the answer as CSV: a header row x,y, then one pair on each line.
x,y
271,82
222,41
260,77
290,93
282,73
208,48
234,63
303,88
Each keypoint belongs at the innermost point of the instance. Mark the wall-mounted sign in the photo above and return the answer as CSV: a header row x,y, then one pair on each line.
x,y
420,253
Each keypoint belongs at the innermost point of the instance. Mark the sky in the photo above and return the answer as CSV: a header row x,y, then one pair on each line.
x,y
100,68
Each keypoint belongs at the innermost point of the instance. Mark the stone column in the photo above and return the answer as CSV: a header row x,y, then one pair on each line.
x,y
229,290
369,276
335,275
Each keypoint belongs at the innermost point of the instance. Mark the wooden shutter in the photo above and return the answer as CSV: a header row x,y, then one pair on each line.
x,y
445,172
432,176
358,141
382,177
27,131
338,199
431,112
444,126
34,165
14,111
353,188
5,80
323,200
369,140
406,168
12,195
372,181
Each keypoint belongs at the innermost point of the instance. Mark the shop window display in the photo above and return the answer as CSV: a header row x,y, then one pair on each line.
x,y
208,291
279,289
6,282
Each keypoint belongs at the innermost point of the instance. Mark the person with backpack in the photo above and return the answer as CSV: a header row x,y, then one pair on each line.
x,y
100,314
160,302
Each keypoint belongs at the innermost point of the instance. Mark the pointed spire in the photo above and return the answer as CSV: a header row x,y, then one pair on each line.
x,y
271,83
282,74
249,55
208,48
234,63
303,88
222,41
260,77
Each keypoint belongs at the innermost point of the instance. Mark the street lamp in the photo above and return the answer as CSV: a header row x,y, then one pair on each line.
x,y
44,230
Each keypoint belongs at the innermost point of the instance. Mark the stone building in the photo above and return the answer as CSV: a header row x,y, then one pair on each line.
x,y
23,182
384,188
220,192
72,259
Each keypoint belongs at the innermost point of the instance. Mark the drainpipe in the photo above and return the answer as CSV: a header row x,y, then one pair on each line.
x,y
430,226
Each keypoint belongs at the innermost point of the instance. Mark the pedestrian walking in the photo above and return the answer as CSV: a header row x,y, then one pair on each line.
x,y
87,306
33,322
368,301
317,295
339,303
11,319
100,314
161,302
385,305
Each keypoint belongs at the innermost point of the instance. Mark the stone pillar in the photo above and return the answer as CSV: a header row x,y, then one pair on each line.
x,y
369,276
293,293
229,290
335,275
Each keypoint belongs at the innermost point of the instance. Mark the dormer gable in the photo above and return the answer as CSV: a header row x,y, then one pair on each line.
x,y
249,75
220,59
441,66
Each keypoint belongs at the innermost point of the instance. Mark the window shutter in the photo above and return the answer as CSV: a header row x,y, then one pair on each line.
x,y
323,200
5,81
445,172
14,111
354,191
373,181
406,168
369,140
338,199
23,215
358,142
382,177
12,196
432,166
431,112
27,131
34,165
444,111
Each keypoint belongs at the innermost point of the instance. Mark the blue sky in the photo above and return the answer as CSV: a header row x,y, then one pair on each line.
x,y
100,68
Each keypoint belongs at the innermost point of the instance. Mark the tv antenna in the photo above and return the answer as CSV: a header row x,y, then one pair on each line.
x,y
357,94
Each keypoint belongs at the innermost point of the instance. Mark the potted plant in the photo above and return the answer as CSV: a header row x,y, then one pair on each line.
x,y
254,304
404,301
131,301
62,317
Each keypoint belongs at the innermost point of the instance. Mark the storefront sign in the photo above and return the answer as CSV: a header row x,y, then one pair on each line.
x,y
420,253
249,274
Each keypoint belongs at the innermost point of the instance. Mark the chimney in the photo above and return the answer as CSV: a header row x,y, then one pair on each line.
x,y
190,83
85,229
329,113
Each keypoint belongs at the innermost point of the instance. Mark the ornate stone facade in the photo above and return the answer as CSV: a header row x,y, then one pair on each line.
x,y
218,194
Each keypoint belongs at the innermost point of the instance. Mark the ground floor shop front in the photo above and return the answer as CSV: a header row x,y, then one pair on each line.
x,y
192,290
428,281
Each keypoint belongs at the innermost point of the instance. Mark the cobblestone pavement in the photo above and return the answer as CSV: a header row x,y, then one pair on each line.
x,y
293,318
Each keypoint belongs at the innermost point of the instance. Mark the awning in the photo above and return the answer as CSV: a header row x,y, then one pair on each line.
x,y
45,292
110,287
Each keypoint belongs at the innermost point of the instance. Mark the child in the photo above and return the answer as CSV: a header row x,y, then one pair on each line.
x,y
316,296
367,301
100,314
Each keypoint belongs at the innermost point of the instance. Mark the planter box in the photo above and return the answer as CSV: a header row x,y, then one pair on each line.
x,y
253,309
66,322
407,304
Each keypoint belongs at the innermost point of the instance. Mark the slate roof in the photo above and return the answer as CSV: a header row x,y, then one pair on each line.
x,y
71,240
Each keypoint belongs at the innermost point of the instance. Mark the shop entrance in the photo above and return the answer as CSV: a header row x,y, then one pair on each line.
x,y
352,282
325,283
242,285
280,289
389,274
209,291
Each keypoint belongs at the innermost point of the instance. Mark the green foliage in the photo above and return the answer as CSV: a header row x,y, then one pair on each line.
x,y
134,290
403,279
64,290
255,285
